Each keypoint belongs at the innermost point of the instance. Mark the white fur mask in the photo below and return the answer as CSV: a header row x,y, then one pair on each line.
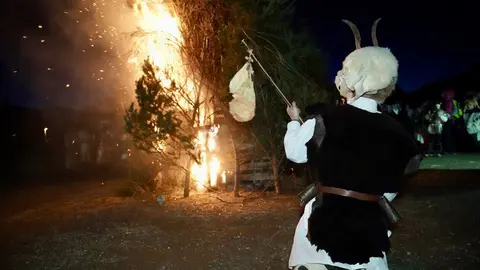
x,y
366,70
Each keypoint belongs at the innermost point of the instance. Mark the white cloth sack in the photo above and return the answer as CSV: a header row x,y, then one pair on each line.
x,y
242,107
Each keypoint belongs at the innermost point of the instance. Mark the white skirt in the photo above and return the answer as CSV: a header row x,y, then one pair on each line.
x,y
304,253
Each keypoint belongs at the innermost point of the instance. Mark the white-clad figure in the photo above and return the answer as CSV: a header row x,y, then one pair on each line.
x,y
360,156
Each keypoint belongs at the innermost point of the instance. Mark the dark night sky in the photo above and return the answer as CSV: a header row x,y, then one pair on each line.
x,y
431,40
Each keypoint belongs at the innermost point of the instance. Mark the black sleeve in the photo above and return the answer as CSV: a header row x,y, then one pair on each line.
x,y
320,132
413,165
313,146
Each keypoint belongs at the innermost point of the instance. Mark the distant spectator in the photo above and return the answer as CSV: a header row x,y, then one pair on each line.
x,y
419,125
405,117
451,107
436,119
472,119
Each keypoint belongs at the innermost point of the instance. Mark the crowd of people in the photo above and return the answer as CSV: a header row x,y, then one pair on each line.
x,y
438,125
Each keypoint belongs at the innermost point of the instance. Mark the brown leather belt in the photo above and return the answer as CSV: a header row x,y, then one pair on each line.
x,y
349,193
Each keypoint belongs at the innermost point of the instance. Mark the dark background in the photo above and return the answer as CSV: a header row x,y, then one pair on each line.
x,y
431,40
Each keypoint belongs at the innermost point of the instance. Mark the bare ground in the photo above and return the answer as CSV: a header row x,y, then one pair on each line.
x,y
86,226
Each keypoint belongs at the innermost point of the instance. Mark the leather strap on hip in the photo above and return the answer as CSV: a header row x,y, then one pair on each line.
x,y
349,193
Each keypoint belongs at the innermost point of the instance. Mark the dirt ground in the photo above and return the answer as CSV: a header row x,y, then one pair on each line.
x,y
85,225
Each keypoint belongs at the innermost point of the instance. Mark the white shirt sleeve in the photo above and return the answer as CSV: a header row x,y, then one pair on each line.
x,y
296,138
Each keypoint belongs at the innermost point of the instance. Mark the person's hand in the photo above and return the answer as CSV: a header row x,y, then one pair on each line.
x,y
293,111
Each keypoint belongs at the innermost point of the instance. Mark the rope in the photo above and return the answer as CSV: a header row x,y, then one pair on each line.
x,y
251,55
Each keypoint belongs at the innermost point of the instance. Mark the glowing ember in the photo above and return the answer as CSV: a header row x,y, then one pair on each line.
x,y
45,133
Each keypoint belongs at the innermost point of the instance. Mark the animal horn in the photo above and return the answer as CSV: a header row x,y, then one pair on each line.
x,y
356,33
374,32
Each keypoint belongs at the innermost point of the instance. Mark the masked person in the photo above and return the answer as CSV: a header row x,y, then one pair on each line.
x,y
436,117
472,119
450,106
361,157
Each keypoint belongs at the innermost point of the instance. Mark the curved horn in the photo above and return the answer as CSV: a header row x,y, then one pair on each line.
x,y
356,33
374,32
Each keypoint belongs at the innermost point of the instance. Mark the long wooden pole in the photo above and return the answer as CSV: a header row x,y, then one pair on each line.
x,y
250,52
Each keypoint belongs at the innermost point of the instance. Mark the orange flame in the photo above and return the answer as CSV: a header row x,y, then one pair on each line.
x,y
161,40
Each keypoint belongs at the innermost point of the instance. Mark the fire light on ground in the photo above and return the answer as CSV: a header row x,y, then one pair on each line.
x,y
161,42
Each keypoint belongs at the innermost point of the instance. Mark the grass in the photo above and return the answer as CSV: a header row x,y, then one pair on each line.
x,y
452,162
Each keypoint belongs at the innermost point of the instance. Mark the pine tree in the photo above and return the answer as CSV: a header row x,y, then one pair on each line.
x,y
155,123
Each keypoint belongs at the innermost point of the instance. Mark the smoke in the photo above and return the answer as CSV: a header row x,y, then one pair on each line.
x,y
75,53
